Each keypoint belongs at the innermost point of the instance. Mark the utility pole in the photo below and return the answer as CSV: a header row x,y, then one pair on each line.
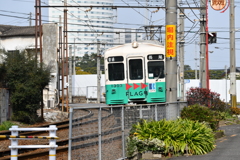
x,y
171,54
60,60
226,77
98,74
146,14
181,51
196,77
74,58
202,71
38,36
206,53
30,19
232,56
70,75
65,60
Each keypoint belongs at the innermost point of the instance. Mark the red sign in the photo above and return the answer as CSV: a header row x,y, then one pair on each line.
x,y
218,4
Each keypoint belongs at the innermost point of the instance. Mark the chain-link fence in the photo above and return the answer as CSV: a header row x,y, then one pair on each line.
x,y
100,132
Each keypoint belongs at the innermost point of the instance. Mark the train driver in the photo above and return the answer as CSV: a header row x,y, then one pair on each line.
x,y
158,73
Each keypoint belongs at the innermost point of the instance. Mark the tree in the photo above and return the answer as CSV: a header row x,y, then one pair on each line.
x,y
25,78
79,71
187,68
89,63
189,74
216,74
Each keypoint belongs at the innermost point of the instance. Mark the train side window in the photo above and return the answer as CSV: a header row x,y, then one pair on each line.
x,y
116,71
135,69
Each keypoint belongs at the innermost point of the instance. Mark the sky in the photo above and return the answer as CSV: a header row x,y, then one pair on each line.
x,y
17,12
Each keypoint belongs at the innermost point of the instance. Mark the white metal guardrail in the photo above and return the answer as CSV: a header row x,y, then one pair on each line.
x,y
52,141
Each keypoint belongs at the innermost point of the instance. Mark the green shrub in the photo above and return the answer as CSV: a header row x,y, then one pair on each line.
x,y
6,125
25,117
177,136
200,113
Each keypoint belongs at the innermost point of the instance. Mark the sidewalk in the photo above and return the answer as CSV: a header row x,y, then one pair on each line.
x,y
227,147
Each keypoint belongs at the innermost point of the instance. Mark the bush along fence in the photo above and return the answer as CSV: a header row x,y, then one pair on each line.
x,y
14,140
164,137
100,132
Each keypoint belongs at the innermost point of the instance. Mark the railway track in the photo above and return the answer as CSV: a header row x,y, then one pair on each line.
x,y
85,140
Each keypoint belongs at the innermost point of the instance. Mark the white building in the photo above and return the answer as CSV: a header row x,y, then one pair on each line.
x,y
89,22
127,37
21,38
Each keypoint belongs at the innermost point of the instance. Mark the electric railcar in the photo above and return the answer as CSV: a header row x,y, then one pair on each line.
x,y
134,73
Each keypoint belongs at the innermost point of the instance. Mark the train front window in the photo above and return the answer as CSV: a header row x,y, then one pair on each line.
x,y
135,69
155,69
115,71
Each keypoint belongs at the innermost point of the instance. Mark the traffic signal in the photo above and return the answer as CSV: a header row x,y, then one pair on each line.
x,y
212,37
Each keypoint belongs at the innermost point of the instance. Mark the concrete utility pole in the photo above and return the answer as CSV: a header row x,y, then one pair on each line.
x,y
171,54
74,59
30,19
226,77
181,51
232,56
202,71
98,74
70,74
196,77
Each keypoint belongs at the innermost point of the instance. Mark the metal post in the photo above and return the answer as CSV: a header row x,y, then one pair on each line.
x,y
226,82
232,56
155,110
100,133
196,77
52,142
98,74
181,52
74,59
202,71
206,40
70,75
171,54
65,61
123,137
70,134
60,76
30,19
14,142
140,112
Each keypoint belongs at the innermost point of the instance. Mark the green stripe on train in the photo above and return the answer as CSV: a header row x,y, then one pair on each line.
x,y
123,93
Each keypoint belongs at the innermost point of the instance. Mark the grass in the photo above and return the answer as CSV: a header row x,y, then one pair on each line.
x,y
6,125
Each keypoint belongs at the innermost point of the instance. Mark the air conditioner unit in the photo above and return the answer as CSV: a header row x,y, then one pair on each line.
x,y
50,103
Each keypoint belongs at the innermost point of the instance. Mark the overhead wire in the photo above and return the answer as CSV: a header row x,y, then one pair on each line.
x,y
192,10
136,10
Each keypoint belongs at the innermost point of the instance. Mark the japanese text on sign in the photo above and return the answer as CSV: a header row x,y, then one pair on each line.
x,y
170,41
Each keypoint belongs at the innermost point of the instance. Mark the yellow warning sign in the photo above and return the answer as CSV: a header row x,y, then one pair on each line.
x,y
170,40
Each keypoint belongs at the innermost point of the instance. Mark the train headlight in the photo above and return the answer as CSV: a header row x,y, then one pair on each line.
x,y
134,44
160,89
113,91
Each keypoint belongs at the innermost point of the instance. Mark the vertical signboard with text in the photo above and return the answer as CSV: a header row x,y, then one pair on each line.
x,y
170,40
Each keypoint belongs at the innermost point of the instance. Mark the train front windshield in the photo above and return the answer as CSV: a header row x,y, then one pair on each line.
x,y
116,71
135,69
155,69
